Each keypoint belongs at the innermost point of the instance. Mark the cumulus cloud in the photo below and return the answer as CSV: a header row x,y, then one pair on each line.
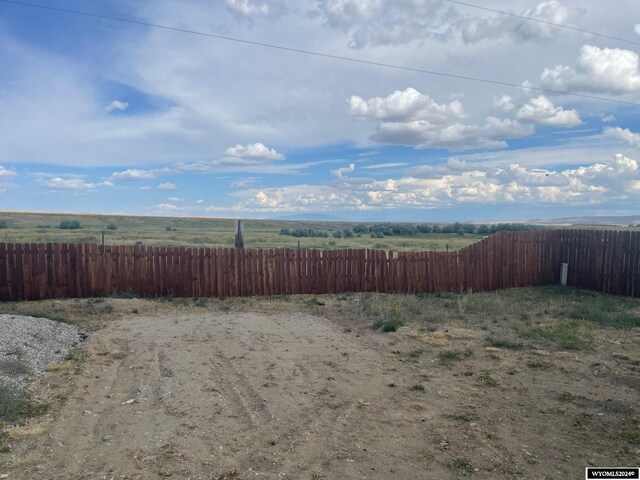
x,y
5,173
133,174
397,22
458,182
167,186
541,110
68,183
340,172
624,134
117,105
411,118
254,152
166,206
237,157
597,70
405,105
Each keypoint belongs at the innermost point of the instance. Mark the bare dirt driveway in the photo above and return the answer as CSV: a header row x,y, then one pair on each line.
x,y
236,396
306,389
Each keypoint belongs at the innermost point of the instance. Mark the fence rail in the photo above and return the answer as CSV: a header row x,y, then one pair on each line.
x,y
608,261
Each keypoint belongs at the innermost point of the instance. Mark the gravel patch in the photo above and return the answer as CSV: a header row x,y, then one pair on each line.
x,y
29,344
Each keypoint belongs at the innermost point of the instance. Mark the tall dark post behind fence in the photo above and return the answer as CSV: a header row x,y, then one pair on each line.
x,y
607,261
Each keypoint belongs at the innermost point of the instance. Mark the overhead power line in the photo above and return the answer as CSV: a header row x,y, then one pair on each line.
x,y
546,22
317,54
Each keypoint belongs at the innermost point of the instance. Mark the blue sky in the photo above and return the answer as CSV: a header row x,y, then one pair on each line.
x,y
108,117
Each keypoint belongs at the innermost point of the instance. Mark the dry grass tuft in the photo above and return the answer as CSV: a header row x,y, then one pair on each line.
x,y
24,431
25,460
437,339
64,366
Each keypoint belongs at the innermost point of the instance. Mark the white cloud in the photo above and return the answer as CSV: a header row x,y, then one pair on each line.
x,y
453,137
505,102
167,186
175,199
406,105
133,174
412,119
541,110
200,201
597,70
145,187
241,158
340,172
71,183
624,134
252,153
117,105
4,173
459,183
518,29
636,28
166,206
252,8
397,22
609,118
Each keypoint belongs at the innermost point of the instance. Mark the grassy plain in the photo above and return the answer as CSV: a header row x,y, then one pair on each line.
x,y
204,232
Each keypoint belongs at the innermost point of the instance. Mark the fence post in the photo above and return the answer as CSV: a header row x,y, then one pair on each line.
x,y
239,234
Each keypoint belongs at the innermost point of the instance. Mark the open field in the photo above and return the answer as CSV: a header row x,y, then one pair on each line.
x,y
204,232
523,383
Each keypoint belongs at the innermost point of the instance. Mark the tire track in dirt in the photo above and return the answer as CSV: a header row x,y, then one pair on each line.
x,y
200,396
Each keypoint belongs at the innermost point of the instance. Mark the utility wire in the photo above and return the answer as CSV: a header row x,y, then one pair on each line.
x,y
317,54
546,22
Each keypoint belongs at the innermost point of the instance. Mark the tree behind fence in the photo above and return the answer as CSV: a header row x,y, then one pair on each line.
x,y
608,261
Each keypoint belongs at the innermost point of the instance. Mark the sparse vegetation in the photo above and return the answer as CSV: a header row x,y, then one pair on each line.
x,y
304,232
502,342
450,356
464,416
461,464
606,312
15,406
70,225
394,320
486,379
540,364
14,366
51,315
573,335
112,226
209,232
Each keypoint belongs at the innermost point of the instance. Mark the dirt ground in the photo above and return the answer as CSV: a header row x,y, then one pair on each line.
x,y
279,393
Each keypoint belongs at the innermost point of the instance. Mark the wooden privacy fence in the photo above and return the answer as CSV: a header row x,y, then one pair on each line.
x,y
600,260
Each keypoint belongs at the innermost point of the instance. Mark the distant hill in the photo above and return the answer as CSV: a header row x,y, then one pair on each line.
x,y
591,220
310,217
